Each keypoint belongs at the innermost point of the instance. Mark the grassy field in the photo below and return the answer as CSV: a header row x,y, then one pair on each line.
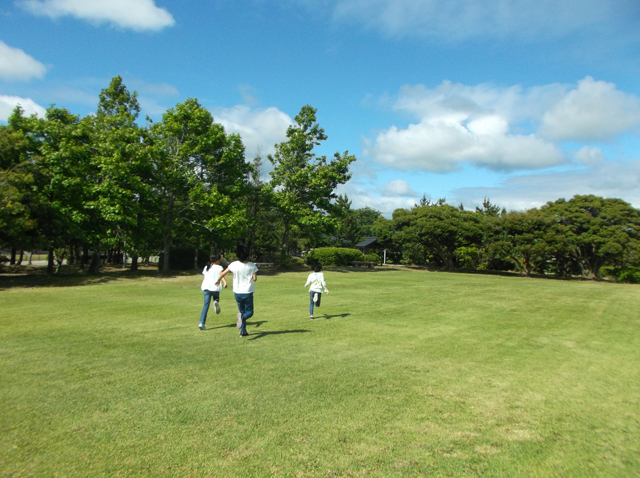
x,y
404,373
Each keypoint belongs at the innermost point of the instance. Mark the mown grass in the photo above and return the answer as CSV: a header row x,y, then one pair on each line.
x,y
404,373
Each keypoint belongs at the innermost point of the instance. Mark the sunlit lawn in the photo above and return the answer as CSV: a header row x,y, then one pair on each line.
x,y
404,373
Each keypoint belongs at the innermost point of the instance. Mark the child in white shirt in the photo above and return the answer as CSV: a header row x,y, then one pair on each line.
x,y
244,278
211,274
316,279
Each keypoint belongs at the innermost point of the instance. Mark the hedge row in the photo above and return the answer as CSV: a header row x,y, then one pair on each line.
x,y
333,256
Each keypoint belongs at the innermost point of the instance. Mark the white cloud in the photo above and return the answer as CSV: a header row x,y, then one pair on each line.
x,y
137,15
606,179
150,107
398,188
590,155
16,65
8,104
363,197
260,129
460,124
455,20
502,129
593,111
443,147
155,89
457,102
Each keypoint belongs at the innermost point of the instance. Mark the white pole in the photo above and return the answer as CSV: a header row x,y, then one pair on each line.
x,y
384,261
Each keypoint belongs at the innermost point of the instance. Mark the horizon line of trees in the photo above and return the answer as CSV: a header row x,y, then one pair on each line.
x,y
587,236
78,187
103,185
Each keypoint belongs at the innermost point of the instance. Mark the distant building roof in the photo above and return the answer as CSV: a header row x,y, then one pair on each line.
x,y
369,241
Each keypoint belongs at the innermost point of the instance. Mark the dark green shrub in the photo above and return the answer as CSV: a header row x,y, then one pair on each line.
x,y
333,256
371,257
630,275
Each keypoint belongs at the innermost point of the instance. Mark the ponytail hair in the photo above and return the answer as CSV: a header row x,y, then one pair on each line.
x,y
213,258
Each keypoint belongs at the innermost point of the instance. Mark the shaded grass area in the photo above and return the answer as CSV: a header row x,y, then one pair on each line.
x,y
403,373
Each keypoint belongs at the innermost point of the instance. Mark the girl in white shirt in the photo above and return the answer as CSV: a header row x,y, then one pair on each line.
x,y
316,279
244,278
211,274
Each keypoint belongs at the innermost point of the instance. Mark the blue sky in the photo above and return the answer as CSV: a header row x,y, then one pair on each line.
x,y
520,101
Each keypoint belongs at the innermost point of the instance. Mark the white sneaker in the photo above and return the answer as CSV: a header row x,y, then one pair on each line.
x,y
315,298
216,307
239,324
202,327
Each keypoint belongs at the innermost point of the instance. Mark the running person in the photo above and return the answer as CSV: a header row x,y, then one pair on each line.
x,y
211,274
244,278
316,279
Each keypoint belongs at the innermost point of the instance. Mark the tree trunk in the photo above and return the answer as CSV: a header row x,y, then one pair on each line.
x,y
60,260
285,236
134,262
50,262
12,262
165,255
195,258
20,258
85,256
94,268
72,256
167,237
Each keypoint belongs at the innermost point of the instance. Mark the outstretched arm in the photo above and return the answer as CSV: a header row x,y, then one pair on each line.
x,y
222,274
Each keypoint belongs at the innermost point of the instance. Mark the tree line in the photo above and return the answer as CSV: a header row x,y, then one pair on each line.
x,y
81,187
103,185
586,236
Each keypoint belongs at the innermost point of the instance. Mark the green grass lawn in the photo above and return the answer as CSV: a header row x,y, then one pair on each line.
x,y
403,373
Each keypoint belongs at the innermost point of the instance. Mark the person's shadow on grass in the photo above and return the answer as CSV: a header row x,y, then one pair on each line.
x,y
257,324
259,335
326,316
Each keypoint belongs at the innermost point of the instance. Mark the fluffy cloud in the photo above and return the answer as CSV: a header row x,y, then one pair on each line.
x,y
441,146
134,14
459,124
16,65
8,104
398,188
589,155
455,20
593,111
362,197
502,129
606,179
260,129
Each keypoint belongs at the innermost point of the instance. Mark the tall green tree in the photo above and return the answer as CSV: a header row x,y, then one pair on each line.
x,y
521,238
432,234
18,146
304,184
53,151
263,224
119,173
200,175
353,224
595,231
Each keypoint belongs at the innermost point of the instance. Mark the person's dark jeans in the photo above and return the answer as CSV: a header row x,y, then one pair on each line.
x,y
311,304
245,307
208,294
